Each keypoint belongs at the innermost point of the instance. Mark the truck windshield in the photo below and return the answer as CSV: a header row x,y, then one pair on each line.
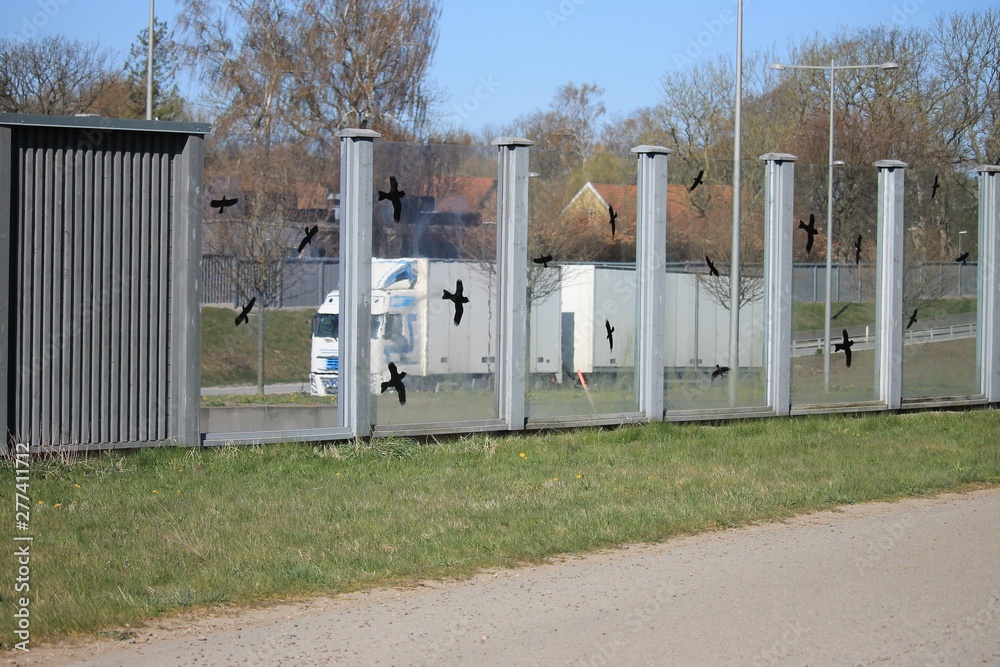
x,y
326,326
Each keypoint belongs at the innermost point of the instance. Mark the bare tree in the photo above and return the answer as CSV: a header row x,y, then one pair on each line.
x,y
53,75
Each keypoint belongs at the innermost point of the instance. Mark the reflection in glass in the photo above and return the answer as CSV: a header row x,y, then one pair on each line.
x,y
277,245
699,238
940,345
582,307
852,285
444,242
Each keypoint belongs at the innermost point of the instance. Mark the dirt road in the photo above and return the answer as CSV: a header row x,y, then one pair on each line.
x,y
910,583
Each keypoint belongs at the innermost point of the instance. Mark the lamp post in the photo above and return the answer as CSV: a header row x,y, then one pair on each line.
x,y
734,267
960,235
829,199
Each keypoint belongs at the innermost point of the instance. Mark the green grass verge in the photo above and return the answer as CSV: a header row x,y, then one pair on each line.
x,y
126,537
808,316
229,353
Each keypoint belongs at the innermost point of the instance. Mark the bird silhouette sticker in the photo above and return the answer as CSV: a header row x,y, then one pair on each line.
x,y
395,381
458,299
720,371
913,318
697,181
857,250
612,216
310,232
935,186
845,345
223,204
611,338
245,315
543,260
394,195
711,267
962,258
810,231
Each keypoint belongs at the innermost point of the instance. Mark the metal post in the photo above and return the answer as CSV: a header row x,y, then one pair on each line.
x,y
354,400
889,283
960,235
828,310
651,259
779,201
734,270
149,66
6,252
512,277
989,281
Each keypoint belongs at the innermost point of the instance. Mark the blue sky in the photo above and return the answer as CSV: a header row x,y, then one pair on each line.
x,y
498,60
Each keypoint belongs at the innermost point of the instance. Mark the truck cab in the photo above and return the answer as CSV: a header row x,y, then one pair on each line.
x,y
324,369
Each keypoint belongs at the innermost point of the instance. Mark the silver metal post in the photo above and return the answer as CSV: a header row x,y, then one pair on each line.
x,y
779,201
828,310
989,281
651,258
356,161
149,66
734,270
512,277
889,283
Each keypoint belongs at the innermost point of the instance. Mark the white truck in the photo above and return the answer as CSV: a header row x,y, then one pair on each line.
x,y
412,326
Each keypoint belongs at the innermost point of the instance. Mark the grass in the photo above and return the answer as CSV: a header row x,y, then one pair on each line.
x,y
125,537
229,353
808,316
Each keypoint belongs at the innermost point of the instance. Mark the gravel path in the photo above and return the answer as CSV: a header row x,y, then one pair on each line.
x,y
915,582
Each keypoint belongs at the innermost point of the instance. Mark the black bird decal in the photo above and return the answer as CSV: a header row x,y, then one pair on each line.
x,y
719,371
612,216
845,346
857,251
962,258
396,382
223,204
711,267
307,240
458,299
395,195
934,188
697,181
611,330
810,231
543,260
244,316
913,318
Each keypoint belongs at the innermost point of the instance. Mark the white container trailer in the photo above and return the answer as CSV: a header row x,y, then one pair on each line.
x,y
591,295
697,326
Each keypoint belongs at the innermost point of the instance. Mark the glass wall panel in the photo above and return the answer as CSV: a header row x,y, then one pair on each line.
x,y
434,284
941,244
582,306
852,285
270,269
698,270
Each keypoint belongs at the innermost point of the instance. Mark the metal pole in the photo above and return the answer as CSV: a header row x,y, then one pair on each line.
x,y
149,66
734,270
829,245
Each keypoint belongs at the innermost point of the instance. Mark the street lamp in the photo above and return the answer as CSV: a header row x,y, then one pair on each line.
x,y
829,199
960,235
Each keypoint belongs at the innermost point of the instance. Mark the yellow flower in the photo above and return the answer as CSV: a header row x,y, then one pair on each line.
x,y
555,479
178,491
579,476
41,502
338,474
58,505
155,491
76,486
523,455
